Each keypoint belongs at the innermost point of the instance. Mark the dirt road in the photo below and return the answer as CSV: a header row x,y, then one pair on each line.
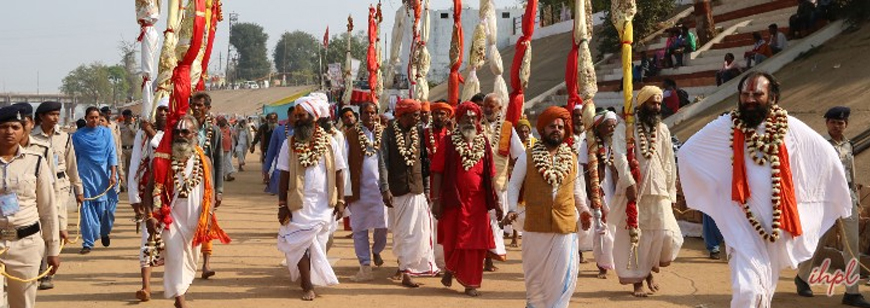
x,y
249,274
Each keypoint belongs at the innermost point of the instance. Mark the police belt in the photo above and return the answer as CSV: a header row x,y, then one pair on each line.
x,y
20,233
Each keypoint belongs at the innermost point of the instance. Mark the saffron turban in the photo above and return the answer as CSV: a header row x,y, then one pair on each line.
x,y
468,107
551,114
648,92
407,106
425,107
445,107
603,116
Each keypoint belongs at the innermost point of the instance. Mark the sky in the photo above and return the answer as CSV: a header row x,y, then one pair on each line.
x,y
44,40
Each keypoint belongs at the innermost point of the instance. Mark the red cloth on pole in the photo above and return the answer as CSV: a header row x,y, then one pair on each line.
x,y
326,38
372,56
455,78
517,96
216,16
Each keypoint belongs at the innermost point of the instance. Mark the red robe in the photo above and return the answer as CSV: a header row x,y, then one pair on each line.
x,y
464,228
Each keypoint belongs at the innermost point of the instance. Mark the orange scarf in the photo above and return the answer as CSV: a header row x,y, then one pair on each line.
x,y
740,192
207,229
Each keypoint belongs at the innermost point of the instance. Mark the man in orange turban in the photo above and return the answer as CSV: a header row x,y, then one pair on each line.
x,y
425,112
548,116
407,106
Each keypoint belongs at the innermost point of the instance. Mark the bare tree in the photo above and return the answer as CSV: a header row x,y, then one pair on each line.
x,y
704,24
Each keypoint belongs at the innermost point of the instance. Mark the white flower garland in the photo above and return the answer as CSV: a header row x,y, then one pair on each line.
x,y
647,144
433,146
554,170
601,152
368,146
185,184
765,149
309,153
408,152
493,135
470,154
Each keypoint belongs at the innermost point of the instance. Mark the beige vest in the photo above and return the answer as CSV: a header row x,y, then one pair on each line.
x,y
296,187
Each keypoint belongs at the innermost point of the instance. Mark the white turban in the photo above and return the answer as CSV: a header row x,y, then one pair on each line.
x,y
312,105
163,102
601,117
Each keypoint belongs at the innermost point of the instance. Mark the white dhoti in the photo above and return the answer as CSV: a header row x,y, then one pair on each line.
x,y
439,249
497,231
227,161
602,248
585,238
550,265
296,239
412,226
660,238
180,257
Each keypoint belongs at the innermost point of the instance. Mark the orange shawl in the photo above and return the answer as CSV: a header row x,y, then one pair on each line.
x,y
790,220
207,229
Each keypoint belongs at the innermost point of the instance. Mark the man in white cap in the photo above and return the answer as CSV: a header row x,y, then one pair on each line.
x,y
310,195
660,239
603,126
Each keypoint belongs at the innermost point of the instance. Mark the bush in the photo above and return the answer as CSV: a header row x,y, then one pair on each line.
x,y
649,14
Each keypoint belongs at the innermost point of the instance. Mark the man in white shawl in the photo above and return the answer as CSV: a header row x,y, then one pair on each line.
x,y
309,162
555,199
777,197
660,238
601,237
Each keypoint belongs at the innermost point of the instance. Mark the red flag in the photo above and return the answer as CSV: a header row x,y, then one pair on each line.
x,y
517,96
326,38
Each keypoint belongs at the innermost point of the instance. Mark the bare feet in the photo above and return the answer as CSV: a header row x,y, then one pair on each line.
x,y
514,243
488,266
397,276
143,295
602,273
472,292
651,284
206,273
408,282
638,290
308,295
180,303
582,259
447,280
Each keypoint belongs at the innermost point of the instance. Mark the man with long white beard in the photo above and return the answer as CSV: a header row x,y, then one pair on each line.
x,y
403,190
189,223
310,196
550,259
363,152
603,124
784,188
462,195
660,239
506,146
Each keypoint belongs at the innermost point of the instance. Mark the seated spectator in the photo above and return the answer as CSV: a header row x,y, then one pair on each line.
x,y
648,67
730,69
671,99
760,51
778,42
674,48
802,22
691,41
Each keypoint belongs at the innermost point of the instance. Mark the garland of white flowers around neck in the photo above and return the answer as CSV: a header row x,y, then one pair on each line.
x,y
433,146
764,149
309,152
602,151
470,154
407,151
554,169
493,135
185,184
647,139
369,147
209,131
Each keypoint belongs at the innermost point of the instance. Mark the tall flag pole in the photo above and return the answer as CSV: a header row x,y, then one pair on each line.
x,y
623,12
147,14
422,56
522,64
372,63
348,83
457,47
413,64
213,16
496,65
395,48
477,53
379,59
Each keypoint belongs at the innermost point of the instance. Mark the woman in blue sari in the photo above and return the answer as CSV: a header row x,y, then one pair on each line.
x,y
97,166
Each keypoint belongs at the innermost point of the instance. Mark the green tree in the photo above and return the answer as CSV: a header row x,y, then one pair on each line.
x,y
88,82
249,40
359,45
649,14
119,78
295,55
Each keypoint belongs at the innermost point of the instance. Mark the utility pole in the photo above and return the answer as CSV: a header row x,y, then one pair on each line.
x,y
233,18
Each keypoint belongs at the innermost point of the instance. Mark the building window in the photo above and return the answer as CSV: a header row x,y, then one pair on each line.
x,y
505,14
443,15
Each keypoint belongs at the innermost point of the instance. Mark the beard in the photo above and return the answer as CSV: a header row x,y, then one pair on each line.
x,y
649,117
753,118
303,130
469,131
553,139
182,149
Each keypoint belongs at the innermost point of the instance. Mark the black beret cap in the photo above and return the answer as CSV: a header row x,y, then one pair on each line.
x,y
10,113
48,107
838,113
25,108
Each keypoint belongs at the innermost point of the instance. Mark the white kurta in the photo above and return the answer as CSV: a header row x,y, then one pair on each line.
x,y
660,238
550,260
821,192
601,237
516,149
309,228
180,257
369,212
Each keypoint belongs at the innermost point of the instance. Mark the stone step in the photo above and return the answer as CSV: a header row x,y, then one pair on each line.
x,y
751,10
697,79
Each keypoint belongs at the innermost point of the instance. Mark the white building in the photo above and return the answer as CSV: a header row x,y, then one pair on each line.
x,y
441,25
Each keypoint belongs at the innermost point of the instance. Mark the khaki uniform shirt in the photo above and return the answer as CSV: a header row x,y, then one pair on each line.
x,y
844,150
128,135
64,158
28,176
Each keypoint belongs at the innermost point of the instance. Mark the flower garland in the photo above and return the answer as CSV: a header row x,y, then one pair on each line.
x,y
408,152
647,144
470,154
763,149
554,170
369,147
433,146
493,134
602,151
209,131
185,184
309,152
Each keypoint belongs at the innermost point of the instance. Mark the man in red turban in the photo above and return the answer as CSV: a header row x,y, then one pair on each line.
x,y
465,168
407,106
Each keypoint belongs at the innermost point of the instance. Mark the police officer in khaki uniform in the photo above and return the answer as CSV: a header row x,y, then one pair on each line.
x,y
836,120
116,134
28,216
63,158
128,137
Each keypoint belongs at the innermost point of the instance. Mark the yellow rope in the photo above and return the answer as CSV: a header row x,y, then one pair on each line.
x,y
100,195
849,247
682,212
22,280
